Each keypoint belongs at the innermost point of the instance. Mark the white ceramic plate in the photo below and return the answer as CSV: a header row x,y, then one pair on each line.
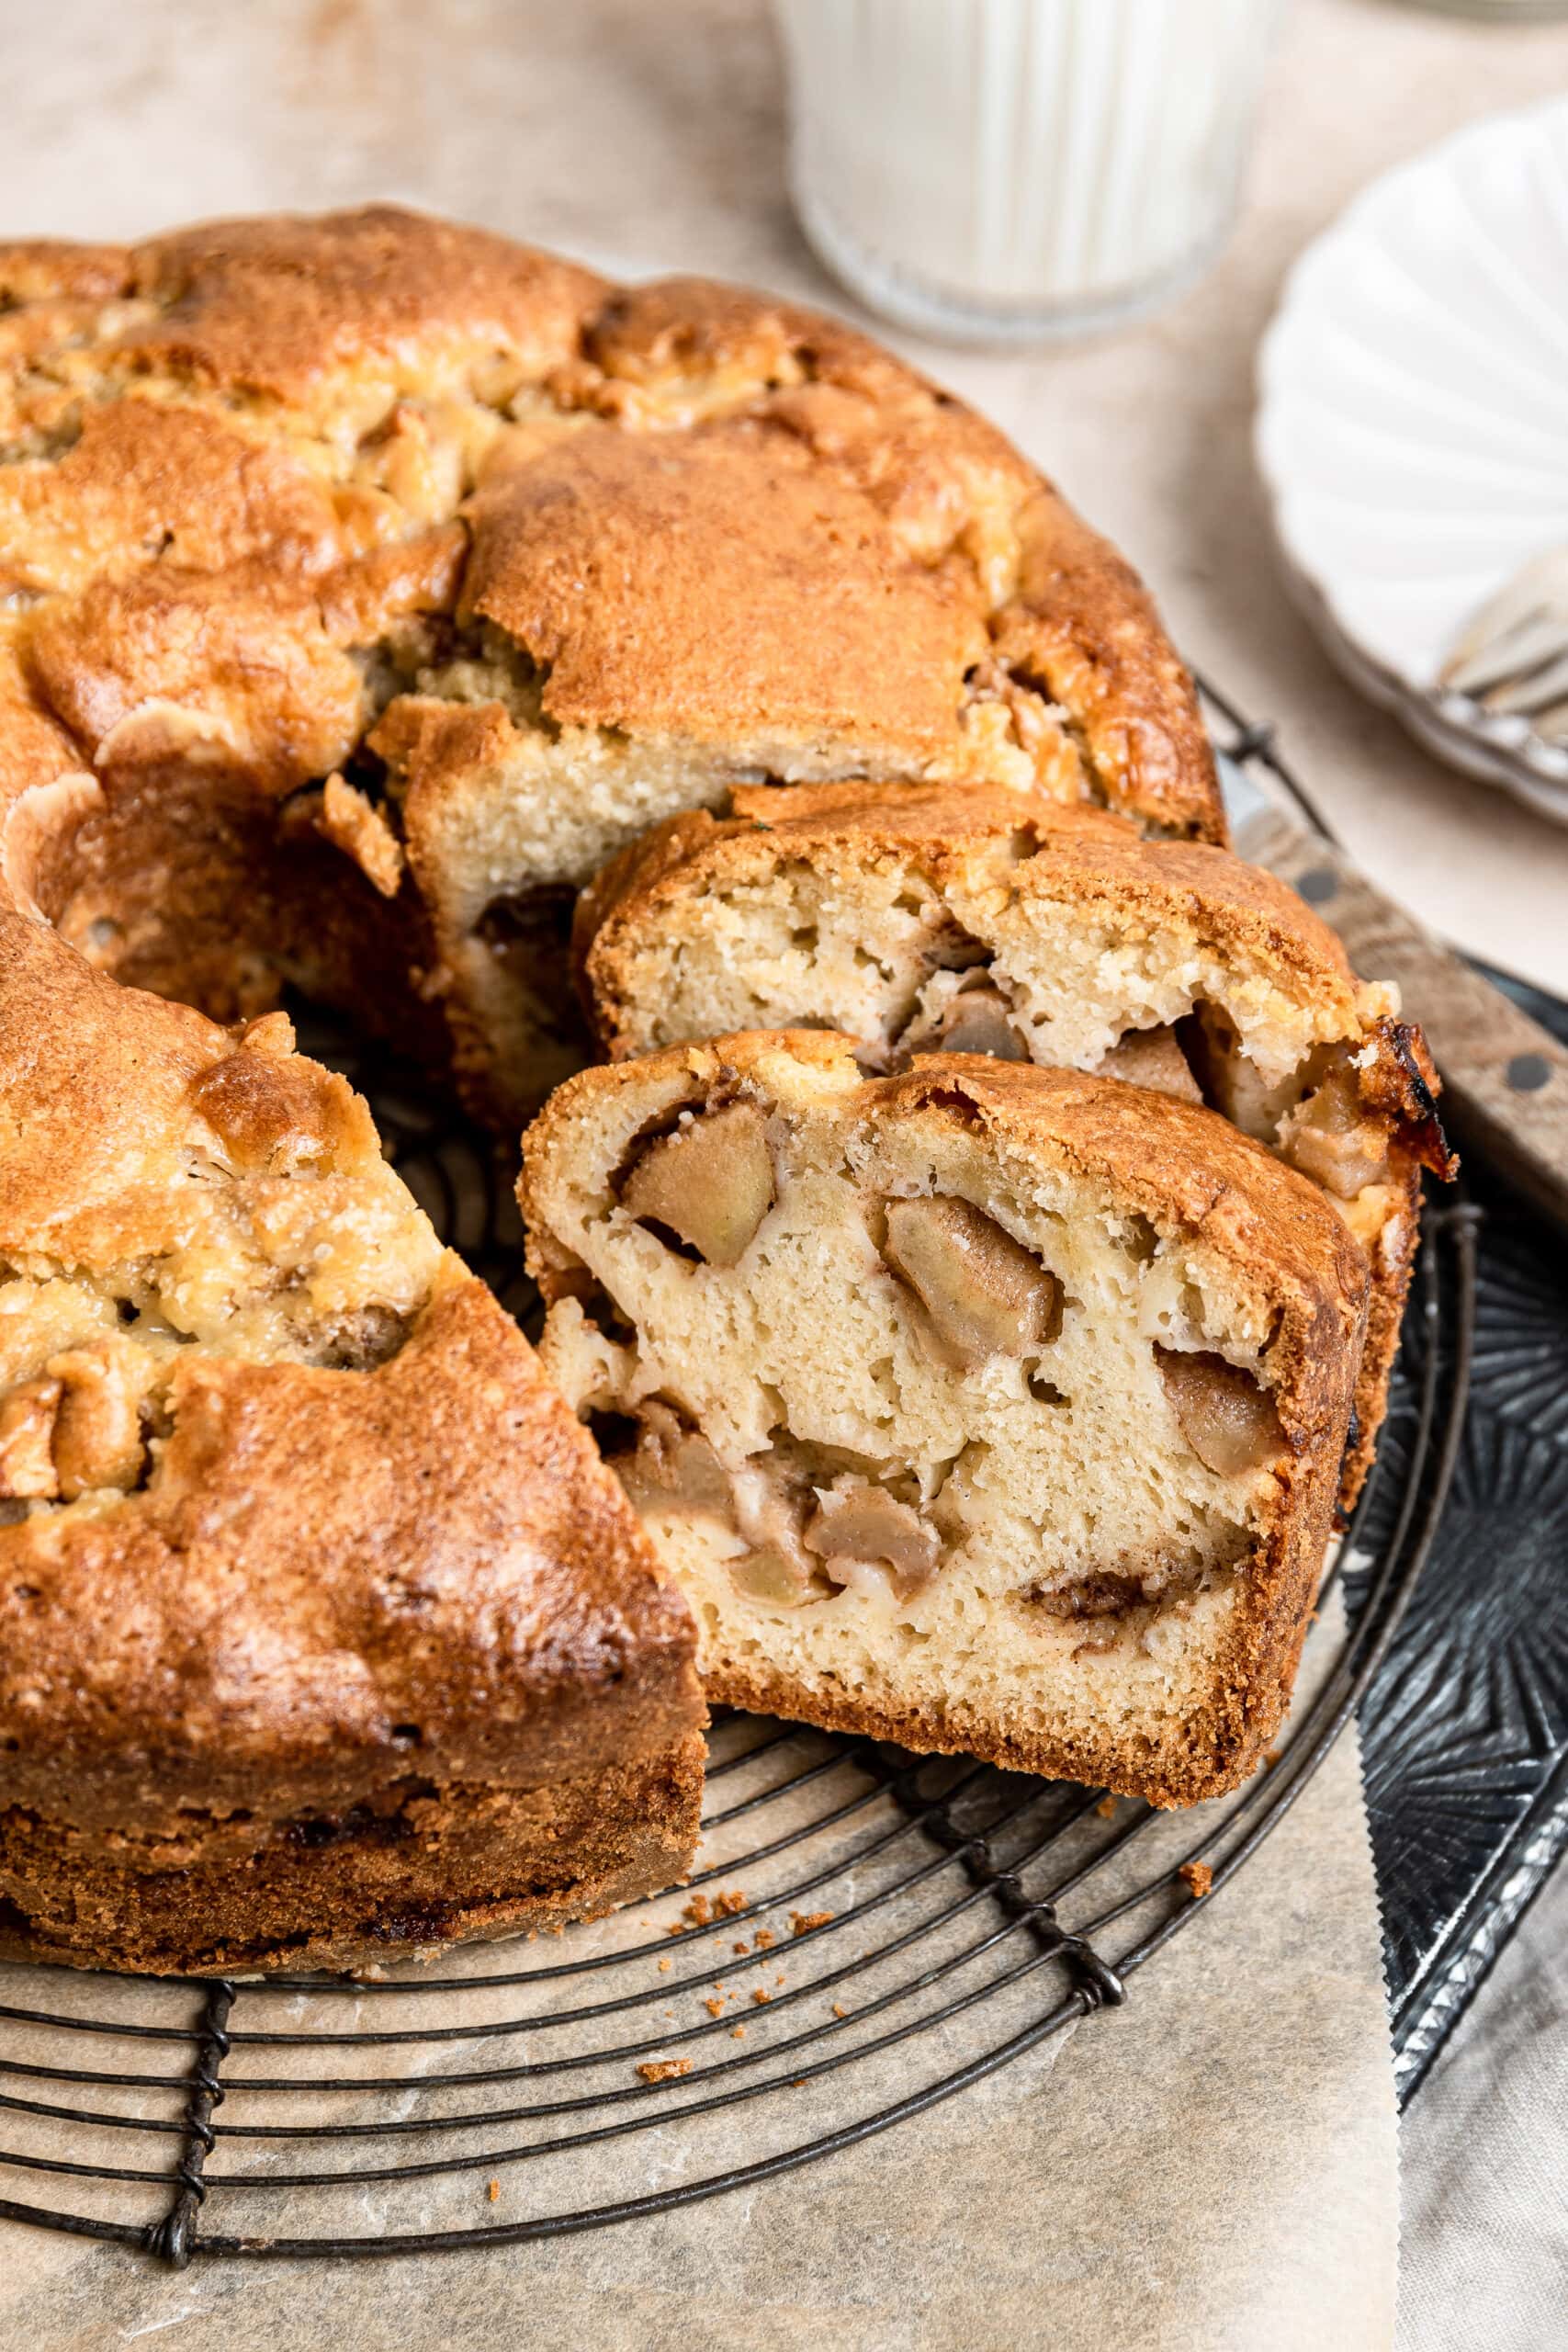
x,y
1413,423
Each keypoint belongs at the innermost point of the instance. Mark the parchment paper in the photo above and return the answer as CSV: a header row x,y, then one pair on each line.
x,y
1212,2165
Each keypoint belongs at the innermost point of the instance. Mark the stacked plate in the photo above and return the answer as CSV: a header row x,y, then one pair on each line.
x,y
1412,427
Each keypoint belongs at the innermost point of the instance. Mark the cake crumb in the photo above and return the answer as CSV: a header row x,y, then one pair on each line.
x,y
802,1922
839,2011
354,825
742,1946
1106,1808
714,2006
664,2070
762,1994
697,1913
665,1966
726,1906
1198,1878
764,1940
493,2191
1270,1757
738,2034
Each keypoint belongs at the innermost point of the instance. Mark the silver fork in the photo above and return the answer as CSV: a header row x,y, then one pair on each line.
x,y
1513,657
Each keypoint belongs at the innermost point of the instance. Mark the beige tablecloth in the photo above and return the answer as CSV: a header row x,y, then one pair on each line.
x,y
1483,2261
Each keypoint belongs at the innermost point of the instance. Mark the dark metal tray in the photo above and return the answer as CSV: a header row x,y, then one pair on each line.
x,y
1464,1729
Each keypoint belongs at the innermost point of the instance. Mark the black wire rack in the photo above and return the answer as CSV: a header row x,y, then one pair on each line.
x,y
867,1934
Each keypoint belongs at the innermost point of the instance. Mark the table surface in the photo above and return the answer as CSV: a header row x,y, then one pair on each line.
x,y
615,126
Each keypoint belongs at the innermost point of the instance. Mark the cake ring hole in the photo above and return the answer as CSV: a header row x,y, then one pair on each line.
x,y
528,933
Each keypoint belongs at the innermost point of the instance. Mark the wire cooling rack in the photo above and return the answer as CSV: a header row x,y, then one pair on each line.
x,y
868,1933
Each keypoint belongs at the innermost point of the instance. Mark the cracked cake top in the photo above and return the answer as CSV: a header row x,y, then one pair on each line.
x,y
242,459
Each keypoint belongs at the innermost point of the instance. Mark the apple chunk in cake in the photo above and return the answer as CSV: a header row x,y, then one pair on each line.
x,y
983,1407
962,919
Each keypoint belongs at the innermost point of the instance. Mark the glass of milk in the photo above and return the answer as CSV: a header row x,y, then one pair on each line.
x,y
1002,171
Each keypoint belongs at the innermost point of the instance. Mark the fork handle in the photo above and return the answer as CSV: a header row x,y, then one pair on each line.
x,y
1504,1077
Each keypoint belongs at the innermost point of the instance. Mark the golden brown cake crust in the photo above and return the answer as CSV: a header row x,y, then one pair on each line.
x,y
368,1657
288,497
323,1584
1063,610
659,581
1079,624
431,1562
303,390
285,304
377,494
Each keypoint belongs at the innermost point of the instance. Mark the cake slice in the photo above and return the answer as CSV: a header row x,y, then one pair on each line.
x,y
985,1408
920,919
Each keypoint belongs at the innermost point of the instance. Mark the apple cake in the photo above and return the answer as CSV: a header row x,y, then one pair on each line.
x,y
366,583
954,919
978,1406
